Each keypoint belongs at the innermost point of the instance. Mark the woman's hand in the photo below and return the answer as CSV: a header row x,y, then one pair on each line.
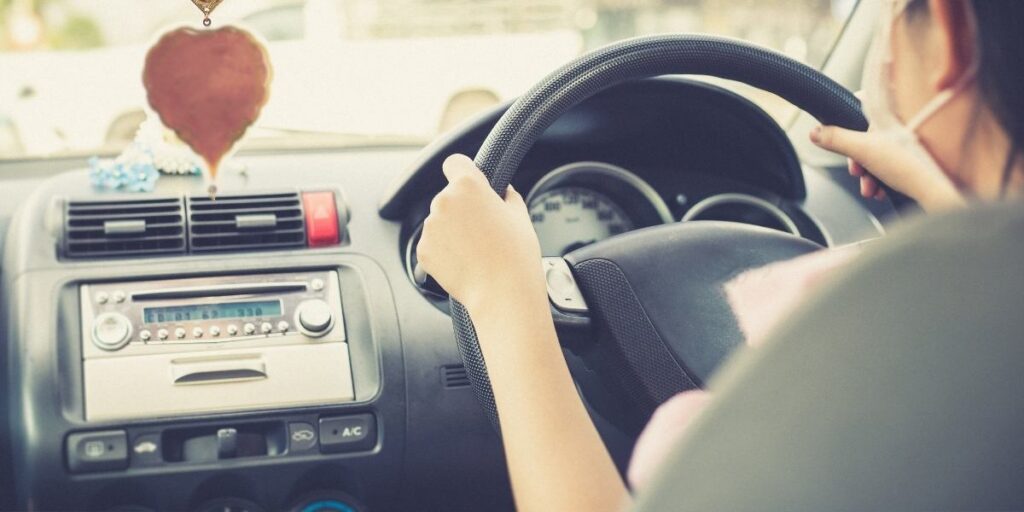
x,y
477,245
890,163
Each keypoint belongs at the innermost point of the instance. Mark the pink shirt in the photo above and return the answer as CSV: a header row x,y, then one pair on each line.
x,y
786,283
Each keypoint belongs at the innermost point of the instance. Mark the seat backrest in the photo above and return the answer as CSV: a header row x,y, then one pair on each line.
x,y
899,387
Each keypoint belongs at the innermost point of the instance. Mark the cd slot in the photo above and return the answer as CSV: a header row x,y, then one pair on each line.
x,y
220,290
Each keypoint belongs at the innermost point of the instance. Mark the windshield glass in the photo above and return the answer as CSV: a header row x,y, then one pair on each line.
x,y
349,72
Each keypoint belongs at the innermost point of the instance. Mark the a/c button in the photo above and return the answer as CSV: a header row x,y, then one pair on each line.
x,y
357,432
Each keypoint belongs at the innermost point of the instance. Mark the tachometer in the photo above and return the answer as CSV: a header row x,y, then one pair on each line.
x,y
567,218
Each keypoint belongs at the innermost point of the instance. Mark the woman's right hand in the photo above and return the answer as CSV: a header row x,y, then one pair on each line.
x,y
892,164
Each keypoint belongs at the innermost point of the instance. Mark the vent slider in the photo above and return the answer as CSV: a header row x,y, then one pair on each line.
x,y
256,220
124,227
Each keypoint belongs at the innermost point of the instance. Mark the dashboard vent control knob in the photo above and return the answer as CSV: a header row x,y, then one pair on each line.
x,y
314,318
111,331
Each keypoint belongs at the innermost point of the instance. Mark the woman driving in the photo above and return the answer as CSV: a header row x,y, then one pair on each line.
x,y
942,84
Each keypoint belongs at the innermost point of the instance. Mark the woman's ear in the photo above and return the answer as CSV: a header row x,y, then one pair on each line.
x,y
953,36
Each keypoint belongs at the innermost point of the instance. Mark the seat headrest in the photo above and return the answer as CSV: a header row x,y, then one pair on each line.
x,y
900,386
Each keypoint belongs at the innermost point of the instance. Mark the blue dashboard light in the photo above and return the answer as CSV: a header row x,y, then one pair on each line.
x,y
328,506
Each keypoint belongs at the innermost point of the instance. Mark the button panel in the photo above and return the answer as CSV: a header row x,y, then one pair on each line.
x,y
180,444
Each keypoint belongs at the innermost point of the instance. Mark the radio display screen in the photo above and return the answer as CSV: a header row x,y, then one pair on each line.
x,y
251,309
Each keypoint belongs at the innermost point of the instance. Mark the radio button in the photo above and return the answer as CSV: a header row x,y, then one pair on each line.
x,y
102,297
162,334
179,333
232,330
214,331
249,329
197,332
314,318
145,335
283,326
266,328
119,296
317,284
111,331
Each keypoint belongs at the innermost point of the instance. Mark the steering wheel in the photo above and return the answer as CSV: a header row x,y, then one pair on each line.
x,y
655,295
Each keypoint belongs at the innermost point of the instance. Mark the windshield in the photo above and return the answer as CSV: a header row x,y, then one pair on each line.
x,y
349,72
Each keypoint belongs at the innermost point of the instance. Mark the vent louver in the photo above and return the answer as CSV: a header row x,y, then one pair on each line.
x,y
454,376
246,222
95,229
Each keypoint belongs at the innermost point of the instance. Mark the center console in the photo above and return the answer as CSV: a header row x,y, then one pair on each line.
x,y
230,389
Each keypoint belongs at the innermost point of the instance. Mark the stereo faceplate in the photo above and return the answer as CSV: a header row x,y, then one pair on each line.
x,y
169,316
211,344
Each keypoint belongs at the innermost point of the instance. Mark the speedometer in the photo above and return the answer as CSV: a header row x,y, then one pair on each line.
x,y
567,218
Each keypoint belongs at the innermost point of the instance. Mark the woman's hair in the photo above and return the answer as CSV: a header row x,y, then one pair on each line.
x,y
1000,26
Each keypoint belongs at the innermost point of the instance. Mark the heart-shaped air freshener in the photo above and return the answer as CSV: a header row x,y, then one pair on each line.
x,y
208,86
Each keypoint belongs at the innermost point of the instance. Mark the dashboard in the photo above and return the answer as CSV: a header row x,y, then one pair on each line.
x,y
279,367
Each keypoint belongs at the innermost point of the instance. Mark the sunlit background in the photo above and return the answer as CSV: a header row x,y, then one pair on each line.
x,y
349,72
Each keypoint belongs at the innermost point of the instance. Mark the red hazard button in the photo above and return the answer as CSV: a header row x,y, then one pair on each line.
x,y
321,218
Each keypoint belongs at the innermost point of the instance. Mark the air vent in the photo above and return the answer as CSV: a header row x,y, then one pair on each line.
x,y
454,376
246,223
97,229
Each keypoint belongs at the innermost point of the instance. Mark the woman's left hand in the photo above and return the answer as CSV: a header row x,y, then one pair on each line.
x,y
875,157
478,245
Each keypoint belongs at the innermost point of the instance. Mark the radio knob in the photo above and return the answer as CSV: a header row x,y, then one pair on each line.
x,y
179,333
145,335
314,318
197,332
111,331
119,296
282,326
232,329
249,328
214,331
162,334
266,328
102,297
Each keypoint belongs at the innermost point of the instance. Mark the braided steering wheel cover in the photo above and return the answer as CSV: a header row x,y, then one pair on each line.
x,y
527,119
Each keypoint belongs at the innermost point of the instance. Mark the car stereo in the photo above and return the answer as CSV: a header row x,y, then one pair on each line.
x,y
225,343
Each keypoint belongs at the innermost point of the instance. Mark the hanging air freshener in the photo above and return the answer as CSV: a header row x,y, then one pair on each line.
x,y
208,86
